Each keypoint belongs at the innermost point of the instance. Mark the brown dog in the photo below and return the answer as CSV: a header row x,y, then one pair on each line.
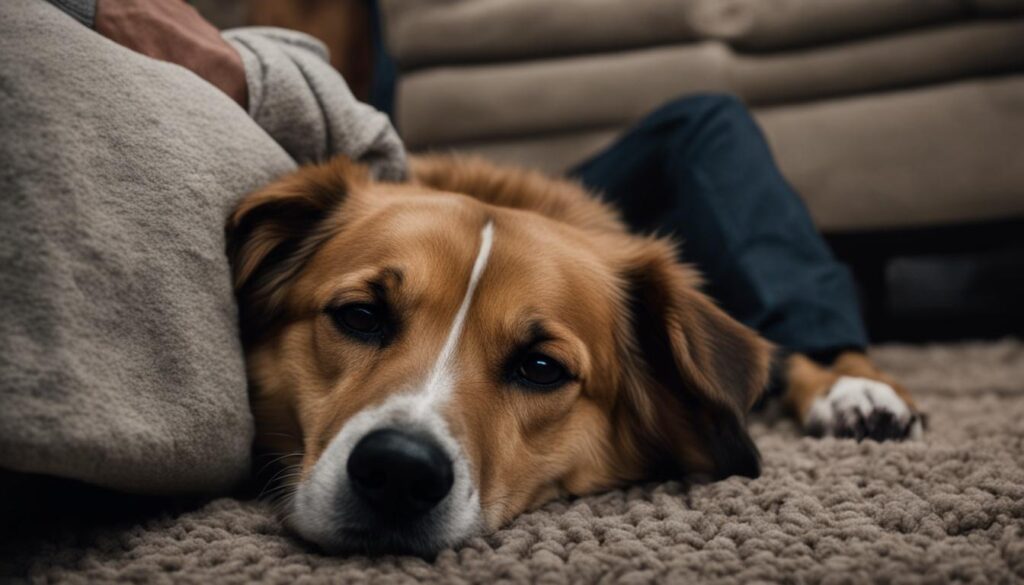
x,y
434,358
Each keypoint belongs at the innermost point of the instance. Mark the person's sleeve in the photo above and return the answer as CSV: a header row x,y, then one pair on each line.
x,y
84,11
306,106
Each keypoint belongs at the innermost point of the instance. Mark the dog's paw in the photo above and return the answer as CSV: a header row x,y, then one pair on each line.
x,y
860,408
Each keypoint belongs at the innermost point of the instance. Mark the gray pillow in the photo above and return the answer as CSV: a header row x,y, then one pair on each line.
x,y
119,358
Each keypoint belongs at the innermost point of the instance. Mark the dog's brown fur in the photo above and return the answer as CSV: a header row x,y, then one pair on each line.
x,y
664,377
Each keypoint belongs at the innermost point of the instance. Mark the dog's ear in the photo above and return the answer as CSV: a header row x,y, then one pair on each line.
x,y
274,231
695,371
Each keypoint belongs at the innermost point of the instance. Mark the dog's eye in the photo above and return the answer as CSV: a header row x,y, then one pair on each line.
x,y
537,369
360,319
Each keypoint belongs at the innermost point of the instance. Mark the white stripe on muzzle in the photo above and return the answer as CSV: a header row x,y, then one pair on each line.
x,y
441,377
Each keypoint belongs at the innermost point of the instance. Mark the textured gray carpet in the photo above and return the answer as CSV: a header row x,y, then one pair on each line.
x,y
950,508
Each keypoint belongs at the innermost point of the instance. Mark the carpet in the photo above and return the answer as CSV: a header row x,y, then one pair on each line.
x,y
948,508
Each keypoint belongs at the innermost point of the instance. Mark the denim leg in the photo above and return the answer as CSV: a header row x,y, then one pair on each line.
x,y
699,169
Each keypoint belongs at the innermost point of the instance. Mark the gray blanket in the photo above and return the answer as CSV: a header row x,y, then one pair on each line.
x,y
119,359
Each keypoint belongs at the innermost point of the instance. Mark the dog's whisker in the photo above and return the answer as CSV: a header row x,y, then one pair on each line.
x,y
285,474
280,457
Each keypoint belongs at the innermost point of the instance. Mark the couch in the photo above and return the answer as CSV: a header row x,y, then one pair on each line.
x,y
884,114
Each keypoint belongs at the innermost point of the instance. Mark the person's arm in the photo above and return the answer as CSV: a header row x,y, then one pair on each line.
x,y
84,11
283,79
168,30
175,32
306,106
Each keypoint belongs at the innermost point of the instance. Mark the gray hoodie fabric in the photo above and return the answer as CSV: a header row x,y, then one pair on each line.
x,y
120,363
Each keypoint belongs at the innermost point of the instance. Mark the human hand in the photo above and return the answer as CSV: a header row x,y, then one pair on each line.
x,y
173,31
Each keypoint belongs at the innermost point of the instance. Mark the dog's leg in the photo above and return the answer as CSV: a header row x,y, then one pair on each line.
x,y
850,399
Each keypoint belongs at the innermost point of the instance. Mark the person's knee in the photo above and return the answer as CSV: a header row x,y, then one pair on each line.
x,y
696,117
711,105
710,102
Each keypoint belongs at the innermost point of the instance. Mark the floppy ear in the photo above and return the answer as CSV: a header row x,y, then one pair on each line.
x,y
701,371
274,231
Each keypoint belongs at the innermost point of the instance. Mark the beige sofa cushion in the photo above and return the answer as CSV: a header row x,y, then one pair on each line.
x,y
926,157
552,153
446,105
865,163
429,32
883,113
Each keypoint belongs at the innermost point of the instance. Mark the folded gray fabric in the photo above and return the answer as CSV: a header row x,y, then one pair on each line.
x,y
84,11
302,102
445,105
119,358
426,32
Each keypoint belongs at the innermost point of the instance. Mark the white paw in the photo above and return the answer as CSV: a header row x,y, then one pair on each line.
x,y
863,409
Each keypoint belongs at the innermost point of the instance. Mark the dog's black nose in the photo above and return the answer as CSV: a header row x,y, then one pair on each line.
x,y
399,474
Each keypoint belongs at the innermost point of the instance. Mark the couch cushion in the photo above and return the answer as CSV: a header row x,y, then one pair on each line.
x,y
930,156
427,32
933,156
445,105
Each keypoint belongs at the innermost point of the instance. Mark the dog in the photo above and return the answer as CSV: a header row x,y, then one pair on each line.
x,y
429,359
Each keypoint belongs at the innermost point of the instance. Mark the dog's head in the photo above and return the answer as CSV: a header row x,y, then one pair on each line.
x,y
439,356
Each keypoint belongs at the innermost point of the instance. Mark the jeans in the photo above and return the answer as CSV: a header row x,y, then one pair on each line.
x,y
699,169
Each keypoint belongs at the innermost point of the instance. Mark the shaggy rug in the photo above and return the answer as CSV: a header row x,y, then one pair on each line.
x,y
948,508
